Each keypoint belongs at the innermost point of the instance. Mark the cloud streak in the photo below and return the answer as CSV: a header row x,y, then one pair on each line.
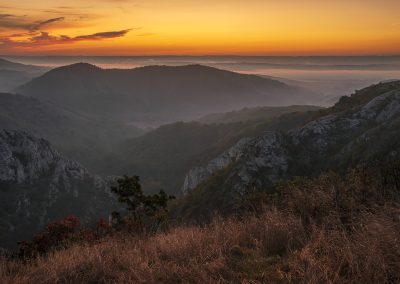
x,y
8,21
103,35
39,25
46,39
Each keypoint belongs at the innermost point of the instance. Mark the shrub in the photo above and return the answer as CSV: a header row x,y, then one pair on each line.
x,y
62,234
56,235
149,210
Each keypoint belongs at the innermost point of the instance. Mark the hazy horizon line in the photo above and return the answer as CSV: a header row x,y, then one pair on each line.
x,y
205,55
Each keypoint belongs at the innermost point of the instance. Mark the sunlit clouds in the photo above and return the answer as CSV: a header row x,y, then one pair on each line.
x,y
253,27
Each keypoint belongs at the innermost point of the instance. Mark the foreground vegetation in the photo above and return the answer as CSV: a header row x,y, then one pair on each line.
x,y
330,229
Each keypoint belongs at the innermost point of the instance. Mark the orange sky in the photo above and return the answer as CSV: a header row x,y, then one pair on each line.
x,y
158,27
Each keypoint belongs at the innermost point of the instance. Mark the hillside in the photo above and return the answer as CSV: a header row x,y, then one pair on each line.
x,y
38,185
323,230
364,129
76,136
10,79
13,75
253,114
9,65
163,156
158,93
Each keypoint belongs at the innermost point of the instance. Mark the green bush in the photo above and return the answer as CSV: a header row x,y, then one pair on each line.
x,y
142,210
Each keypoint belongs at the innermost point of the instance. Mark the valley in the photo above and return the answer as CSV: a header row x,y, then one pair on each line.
x,y
233,142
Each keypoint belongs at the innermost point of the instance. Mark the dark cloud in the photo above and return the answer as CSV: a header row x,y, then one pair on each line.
x,y
103,35
39,25
8,21
44,38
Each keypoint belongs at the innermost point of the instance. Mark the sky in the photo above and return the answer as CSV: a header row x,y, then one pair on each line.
x,y
201,27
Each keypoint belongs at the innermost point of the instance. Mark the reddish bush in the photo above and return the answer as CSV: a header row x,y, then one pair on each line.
x,y
55,235
61,234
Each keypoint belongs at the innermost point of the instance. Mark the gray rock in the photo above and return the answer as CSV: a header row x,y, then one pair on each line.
x,y
323,144
38,185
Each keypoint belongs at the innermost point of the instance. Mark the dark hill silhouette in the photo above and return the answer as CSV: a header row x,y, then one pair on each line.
x,y
154,93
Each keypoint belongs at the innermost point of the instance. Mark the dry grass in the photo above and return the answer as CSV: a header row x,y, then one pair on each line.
x,y
271,248
224,251
371,254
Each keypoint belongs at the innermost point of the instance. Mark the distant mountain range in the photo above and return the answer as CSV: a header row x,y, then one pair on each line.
x,y
9,65
158,93
13,75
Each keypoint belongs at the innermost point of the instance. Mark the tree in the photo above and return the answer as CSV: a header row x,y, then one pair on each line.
x,y
140,207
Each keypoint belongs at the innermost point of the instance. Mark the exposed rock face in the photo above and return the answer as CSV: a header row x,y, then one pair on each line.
x,y
38,185
268,152
199,174
334,142
24,158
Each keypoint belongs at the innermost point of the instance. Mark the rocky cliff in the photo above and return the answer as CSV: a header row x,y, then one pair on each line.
x,y
335,141
38,185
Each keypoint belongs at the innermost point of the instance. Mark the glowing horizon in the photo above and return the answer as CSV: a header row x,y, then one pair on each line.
x,y
179,27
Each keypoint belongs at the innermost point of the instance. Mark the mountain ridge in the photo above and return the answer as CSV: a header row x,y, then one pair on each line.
x,y
10,65
14,74
166,93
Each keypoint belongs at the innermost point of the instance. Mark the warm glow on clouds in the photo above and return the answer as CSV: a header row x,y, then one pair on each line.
x,y
142,27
